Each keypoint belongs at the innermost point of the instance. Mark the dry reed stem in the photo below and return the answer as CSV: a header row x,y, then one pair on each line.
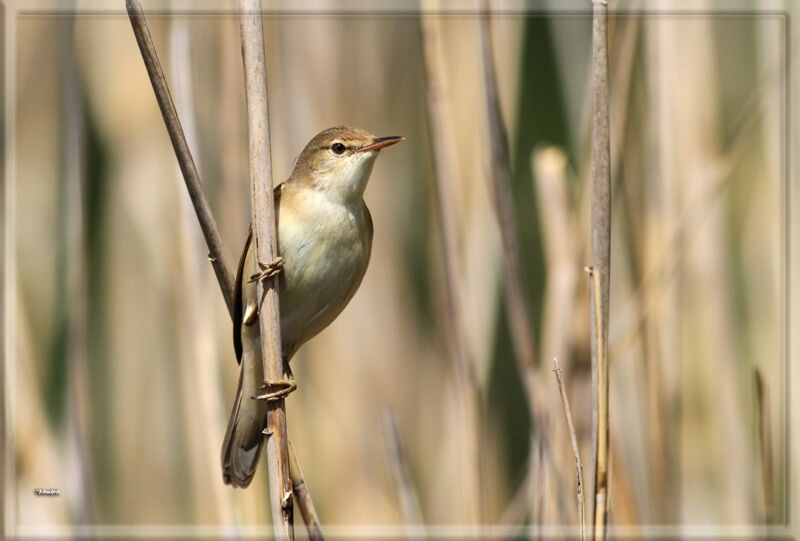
x,y
625,54
549,165
500,184
600,412
601,259
193,183
196,339
764,445
558,223
266,249
403,484
573,439
446,173
662,272
704,294
304,501
184,157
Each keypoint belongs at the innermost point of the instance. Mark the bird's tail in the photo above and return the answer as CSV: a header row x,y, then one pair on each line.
x,y
243,438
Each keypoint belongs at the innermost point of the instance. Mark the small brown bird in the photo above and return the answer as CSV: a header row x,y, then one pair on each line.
x,y
324,237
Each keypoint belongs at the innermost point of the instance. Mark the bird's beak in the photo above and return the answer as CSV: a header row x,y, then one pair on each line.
x,y
381,142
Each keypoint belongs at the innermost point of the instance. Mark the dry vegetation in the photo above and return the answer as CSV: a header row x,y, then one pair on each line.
x,y
431,399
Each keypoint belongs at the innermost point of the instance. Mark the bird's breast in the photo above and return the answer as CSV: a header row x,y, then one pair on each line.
x,y
326,248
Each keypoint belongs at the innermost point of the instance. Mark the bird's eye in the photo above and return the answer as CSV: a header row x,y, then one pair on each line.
x,y
338,148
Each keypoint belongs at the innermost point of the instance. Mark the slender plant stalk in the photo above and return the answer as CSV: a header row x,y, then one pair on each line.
x,y
558,219
266,250
197,356
601,260
72,273
304,501
191,177
549,165
573,439
541,481
404,485
600,411
446,175
500,182
500,186
765,446
549,171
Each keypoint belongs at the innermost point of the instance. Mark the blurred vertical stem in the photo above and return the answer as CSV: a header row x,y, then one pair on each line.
x,y
601,260
265,246
444,157
558,220
516,294
765,446
72,271
192,179
404,485
196,338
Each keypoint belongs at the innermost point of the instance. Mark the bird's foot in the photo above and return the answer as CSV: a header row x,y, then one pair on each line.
x,y
277,390
267,271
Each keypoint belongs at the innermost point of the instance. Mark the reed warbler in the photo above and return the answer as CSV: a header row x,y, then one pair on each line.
x,y
324,234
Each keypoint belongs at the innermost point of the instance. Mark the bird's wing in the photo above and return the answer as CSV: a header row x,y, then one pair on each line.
x,y
238,307
238,302
370,227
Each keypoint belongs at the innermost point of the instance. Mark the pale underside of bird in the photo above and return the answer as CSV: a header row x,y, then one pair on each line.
x,y
324,232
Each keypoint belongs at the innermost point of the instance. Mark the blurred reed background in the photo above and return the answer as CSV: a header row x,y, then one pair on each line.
x,y
124,370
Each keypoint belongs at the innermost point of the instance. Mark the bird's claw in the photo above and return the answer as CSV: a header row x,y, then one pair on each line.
x,y
267,271
277,390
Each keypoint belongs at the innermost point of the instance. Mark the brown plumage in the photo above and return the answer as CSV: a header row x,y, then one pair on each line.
x,y
325,238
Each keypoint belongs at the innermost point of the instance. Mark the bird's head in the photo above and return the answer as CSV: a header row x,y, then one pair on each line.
x,y
339,160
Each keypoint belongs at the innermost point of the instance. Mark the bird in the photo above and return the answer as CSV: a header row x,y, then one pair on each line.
x,y
324,232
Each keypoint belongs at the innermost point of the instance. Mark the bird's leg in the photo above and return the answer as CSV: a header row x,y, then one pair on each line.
x,y
276,390
267,271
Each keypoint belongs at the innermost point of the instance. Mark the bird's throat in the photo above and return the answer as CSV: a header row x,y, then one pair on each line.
x,y
345,184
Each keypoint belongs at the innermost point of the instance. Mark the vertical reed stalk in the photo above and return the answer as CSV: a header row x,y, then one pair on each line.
x,y
446,172
404,485
266,250
197,340
549,165
601,260
500,185
558,223
190,175
764,446
600,411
